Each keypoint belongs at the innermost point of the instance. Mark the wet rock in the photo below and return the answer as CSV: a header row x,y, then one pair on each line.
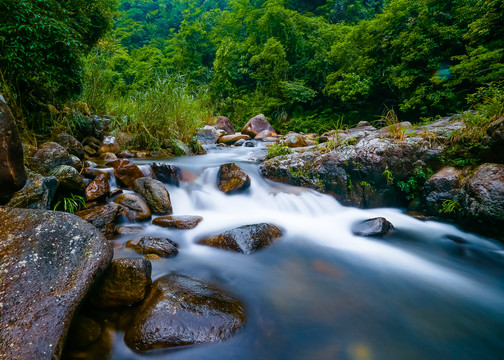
x,y
71,144
240,142
91,172
482,199
257,124
127,230
109,145
223,123
99,189
108,156
294,140
443,185
155,193
135,206
167,174
124,283
231,139
76,163
231,179
140,154
126,172
89,150
181,311
12,170
70,181
179,148
163,247
249,143
376,227
264,134
49,156
103,217
49,261
125,154
495,142
245,239
208,135
38,193
84,332
178,222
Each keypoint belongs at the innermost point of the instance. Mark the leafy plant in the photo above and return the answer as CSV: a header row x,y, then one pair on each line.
x,y
449,207
412,187
278,149
70,204
389,177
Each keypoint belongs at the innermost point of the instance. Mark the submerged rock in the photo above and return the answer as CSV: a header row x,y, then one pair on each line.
x,y
38,193
49,261
178,222
126,172
134,206
181,311
124,283
127,230
163,247
231,179
377,227
257,124
155,194
103,217
245,239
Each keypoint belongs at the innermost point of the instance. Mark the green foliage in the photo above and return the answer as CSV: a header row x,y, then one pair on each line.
x,y
70,204
412,187
389,177
450,207
278,149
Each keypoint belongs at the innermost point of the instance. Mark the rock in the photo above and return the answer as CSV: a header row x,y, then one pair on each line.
x,y
376,227
135,206
109,145
245,239
126,172
208,135
443,185
84,332
99,189
482,199
240,142
155,193
70,181
181,311
163,247
38,193
294,140
125,154
108,157
49,261
363,124
257,124
28,150
71,144
249,143
140,154
76,163
223,123
49,156
179,148
495,142
264,134
126,140
89,150
91,145
91,172
124,283
231,139
231,179
178,222
167,174
103,217
127,230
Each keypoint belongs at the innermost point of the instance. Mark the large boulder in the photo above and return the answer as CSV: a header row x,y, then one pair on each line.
x,y
126,172
257,124
12,169
134,206
50,155
71,144
103,217
99,189
38,193
482,199
182,311
155,194
440,187
125,283
495,142
167,174
178,222
223,123
208,135
49,261
231,179
245,239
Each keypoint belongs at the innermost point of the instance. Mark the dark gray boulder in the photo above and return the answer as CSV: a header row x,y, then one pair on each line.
x,y
49,261
163,247
156,195
377,227
50,155
71,144
38,193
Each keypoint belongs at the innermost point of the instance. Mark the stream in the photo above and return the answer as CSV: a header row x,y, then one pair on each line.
x,y
427,291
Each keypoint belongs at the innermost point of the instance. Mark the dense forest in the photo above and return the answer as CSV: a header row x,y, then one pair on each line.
x,y
164,66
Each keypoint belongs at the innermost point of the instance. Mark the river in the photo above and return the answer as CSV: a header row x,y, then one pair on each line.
x,y
428,291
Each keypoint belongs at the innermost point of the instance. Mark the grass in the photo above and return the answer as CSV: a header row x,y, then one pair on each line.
x,y
70,204
393,125
278,149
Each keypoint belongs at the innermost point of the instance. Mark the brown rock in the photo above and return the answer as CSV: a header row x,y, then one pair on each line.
x,y
294,140
245,239
178,222
155,193
84,332
124,283
135,207
49,156
108,156
167,174
225,124
231,179
231,139
182,311
127,230
109,145
99,189
103,217
49,261
38,193
126,172
257,124
71,144
163,247
264,134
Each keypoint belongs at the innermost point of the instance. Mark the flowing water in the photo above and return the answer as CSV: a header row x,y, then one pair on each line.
x,y
428,291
